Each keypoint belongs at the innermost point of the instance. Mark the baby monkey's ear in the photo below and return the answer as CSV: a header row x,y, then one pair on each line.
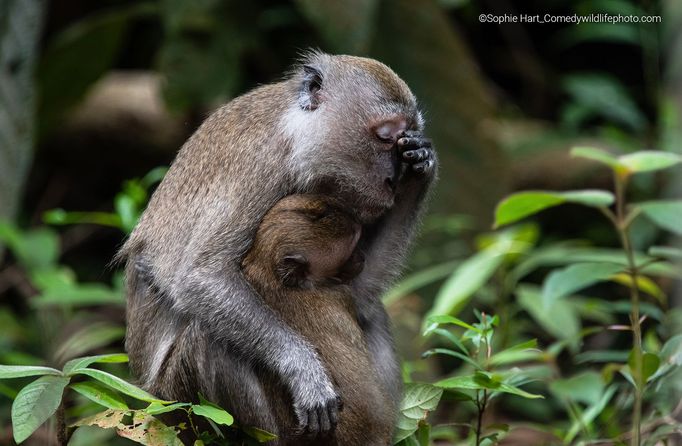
x,y
293,270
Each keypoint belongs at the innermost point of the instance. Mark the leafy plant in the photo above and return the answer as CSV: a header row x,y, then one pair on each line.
x,y
642,366
490,377
41,399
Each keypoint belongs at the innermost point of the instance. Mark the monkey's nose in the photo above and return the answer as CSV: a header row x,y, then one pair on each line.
x,y
389,130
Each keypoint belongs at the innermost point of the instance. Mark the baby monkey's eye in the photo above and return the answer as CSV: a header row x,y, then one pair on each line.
x,y
316,212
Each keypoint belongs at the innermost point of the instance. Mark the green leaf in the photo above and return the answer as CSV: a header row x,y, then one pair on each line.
x,y
80,363
565,281
480,381
667,252
158,408
590,414
418,401
35,403
20,371
213,412
79,294
559,319
587,387
665,213
522,204
649,160
100,394
471,275
594,154
524,351
91,337
117,383
61,217
437,320
418,280
37,248
644,284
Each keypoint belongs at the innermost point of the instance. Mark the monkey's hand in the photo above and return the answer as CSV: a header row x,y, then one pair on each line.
x,y
317,407
416,151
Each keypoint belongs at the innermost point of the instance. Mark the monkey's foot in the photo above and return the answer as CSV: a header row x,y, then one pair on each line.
x,y
416,151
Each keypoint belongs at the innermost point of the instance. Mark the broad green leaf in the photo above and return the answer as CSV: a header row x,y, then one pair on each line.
x,y
20,371
665,213
418,401
117,383
644,284
524,351
212,411
587,387
522,204
471,275
480,381
418,280
79,294
649,160
560,319
35,403
650,364
590,414
37,248
91,337
565,281
158,408
100,394
595,154
667,252
81,363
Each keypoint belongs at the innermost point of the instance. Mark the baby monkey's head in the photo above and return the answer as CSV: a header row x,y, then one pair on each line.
x,y
306,241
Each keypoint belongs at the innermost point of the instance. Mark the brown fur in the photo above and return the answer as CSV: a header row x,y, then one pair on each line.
x,y
320,231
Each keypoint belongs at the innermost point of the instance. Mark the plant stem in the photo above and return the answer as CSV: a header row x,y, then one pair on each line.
x,y
62,437
622,227
480,405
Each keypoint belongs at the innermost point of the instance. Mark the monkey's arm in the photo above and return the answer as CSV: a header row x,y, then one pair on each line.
x,y
388,240
236,316
385,249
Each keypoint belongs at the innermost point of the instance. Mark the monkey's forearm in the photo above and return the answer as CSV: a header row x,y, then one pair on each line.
x,y
390,239
227,306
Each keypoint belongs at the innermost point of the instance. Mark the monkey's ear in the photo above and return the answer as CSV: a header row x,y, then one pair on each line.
x,y
293,270
309,95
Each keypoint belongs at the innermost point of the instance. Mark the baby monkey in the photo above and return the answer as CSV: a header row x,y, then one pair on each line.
x,y
301,263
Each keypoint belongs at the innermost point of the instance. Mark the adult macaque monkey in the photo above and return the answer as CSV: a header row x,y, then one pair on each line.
x,y
341,126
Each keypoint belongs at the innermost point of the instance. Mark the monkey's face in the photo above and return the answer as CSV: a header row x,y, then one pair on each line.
x,y
309,240
351,113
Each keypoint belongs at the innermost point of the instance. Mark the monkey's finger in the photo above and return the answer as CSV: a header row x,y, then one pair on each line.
x,y
415,156
313,423
423,167
334,416
302,419
413,133
325,424
414,142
